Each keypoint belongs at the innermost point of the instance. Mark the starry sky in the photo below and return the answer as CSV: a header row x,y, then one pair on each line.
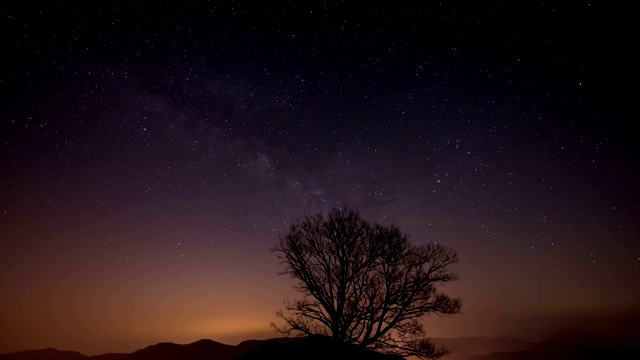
x,y
152,152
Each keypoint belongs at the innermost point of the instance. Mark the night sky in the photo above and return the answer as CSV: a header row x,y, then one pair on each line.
x,y
151,154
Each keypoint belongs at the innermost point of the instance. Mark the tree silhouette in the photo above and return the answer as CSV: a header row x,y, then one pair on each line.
x,y
364,284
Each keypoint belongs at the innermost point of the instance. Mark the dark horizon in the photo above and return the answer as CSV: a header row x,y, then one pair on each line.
x,y
151,155
562,344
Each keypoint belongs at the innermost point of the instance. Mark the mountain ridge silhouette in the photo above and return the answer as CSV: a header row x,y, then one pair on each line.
x,y
561,344
567,344
308,347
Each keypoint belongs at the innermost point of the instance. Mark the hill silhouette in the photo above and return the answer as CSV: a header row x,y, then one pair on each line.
x,y
199,350
570,344
311,347
567,344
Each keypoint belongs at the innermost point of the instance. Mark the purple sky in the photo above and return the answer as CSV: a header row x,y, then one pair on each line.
x,y
151,154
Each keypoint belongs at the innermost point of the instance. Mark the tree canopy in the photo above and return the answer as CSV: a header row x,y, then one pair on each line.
x,y
364,283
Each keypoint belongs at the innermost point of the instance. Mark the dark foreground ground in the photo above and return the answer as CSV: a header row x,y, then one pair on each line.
x,y
312,348
567,345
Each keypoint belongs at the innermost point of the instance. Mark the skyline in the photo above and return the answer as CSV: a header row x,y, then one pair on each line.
x,y
152,155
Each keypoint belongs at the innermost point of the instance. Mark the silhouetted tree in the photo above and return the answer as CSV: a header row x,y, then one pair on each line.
x,y
364,284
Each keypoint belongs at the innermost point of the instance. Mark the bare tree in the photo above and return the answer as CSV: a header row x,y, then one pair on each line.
x,y
364,284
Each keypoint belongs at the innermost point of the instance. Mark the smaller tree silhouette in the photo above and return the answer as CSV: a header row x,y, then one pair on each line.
x,y
364,284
